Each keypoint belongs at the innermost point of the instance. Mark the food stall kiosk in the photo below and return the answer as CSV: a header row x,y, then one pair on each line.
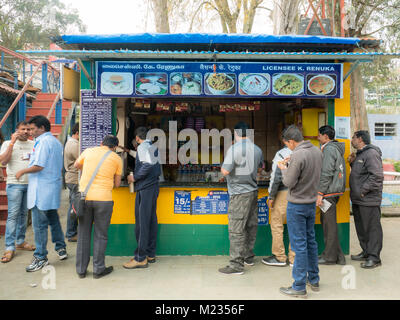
x,y
188,84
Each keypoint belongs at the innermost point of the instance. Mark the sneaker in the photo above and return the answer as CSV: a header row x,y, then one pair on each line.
x,y
294,293
37,264
73,239
314,287
273,261
62,254
105,272
133,264
229,270
249,261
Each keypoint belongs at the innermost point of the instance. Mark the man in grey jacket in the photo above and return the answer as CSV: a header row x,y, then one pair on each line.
x,y
301,174
366,184
331,186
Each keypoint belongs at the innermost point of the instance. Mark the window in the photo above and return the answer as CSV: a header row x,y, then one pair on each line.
x,y
383,129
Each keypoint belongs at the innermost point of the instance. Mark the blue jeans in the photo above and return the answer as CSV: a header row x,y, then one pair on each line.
x,y
41,219
72,221
300,223
17,215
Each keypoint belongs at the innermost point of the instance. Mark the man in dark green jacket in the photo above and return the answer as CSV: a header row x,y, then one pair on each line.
x,y
366,184
332,185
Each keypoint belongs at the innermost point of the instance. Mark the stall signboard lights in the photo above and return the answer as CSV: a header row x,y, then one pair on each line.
x,y
222,79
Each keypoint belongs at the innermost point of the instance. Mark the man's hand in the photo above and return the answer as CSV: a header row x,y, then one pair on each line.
x,y
319,200
271,203
14,137
131,179
351,157
284,163
19,174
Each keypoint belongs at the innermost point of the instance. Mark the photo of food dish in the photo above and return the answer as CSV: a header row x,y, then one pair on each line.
x,y
254,84
321,84
185,83
151,83
220,83
116,83
287,84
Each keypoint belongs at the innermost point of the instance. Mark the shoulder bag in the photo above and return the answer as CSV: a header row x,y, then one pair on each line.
x,y
79,204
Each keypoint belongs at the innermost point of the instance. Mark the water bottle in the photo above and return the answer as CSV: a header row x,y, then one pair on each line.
x,y
131,186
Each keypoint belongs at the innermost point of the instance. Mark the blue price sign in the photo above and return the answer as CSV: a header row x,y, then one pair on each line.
x,y
182,201
263,212
216,202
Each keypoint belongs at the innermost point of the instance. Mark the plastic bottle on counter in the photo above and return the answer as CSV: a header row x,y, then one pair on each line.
x,y
131,186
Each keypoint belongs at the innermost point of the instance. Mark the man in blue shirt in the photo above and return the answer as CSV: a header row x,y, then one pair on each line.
x,y
44,191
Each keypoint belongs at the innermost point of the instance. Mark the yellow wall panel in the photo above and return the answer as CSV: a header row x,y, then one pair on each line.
x,y
71,84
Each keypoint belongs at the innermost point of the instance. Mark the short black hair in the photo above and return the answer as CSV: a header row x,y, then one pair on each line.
x,y
292,133
364,135
40,121
328,130
21,123
141,132
75,128
241,128
110,141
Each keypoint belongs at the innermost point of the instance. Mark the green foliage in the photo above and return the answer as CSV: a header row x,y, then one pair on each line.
x,y
32,22
397,166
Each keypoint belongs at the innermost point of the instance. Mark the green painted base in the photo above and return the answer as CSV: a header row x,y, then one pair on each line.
x,y
179,239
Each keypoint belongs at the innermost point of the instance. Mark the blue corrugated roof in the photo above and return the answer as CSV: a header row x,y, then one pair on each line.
x,y
203,38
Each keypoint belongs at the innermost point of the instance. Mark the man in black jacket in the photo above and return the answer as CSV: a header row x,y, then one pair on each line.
x,y
366,184
146,179
332,185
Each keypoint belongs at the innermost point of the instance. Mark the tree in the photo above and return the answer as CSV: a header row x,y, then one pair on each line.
x,y
32,22
161,15
286,16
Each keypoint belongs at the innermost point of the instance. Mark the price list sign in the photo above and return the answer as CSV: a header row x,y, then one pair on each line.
x,y
263,211
182,202
95,119
216,202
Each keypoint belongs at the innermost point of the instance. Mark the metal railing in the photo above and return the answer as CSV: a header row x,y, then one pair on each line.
x,y
391,191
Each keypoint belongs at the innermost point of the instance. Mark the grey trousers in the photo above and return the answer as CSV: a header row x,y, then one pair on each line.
x,y
98,216
242,226
333,251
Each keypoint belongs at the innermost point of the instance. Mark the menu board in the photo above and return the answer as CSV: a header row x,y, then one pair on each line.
x,y
222,79
95,119
216,202
182,202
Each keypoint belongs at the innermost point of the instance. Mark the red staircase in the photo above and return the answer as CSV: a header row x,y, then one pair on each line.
x,y
3,203
40,106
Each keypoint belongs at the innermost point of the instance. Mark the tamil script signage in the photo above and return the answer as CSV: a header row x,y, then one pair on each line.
x,y
224,79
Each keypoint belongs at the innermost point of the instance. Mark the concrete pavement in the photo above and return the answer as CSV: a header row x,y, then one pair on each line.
x,y
197,277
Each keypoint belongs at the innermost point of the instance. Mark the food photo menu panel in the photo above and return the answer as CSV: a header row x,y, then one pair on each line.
x,y
224,79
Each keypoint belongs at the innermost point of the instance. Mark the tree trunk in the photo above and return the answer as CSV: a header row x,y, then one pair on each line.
x,y
160,10
285,16
358,110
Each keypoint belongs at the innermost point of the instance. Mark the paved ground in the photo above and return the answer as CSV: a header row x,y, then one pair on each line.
x,y
197,277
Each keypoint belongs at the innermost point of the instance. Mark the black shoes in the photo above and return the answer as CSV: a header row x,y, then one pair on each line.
x,y
313,286
82,275
359,257
105,272
294,293
370,264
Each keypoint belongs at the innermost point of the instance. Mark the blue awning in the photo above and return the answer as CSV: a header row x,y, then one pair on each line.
x,y
203,38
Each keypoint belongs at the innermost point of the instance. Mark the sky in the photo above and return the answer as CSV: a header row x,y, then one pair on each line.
x,y
128,16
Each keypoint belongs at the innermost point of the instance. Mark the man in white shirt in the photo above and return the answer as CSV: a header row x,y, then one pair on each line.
x,y
15,153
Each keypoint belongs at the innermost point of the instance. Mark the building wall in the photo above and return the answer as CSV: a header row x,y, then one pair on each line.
x,y
388,145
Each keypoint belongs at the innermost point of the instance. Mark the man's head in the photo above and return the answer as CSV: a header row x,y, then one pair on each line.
x,y
326,134
39,125
141,134
292,136
75,131
111,142
24,130
240,130
360,139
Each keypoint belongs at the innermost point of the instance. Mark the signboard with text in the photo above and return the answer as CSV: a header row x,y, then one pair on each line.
x,y
222,79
